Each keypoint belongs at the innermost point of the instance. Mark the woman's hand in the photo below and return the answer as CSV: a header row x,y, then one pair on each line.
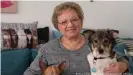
x,y
118,67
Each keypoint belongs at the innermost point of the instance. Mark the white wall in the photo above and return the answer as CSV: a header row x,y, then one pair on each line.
x,y
98,14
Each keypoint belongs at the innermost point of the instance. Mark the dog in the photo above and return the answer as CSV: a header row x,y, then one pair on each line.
x,y
14,38
34,41
51,70
101,44
22,39
29,38
6,38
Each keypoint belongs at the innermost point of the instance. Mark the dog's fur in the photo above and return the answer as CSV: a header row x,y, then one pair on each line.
x,y
6,38
34,41
22,40
14,38
101,43
29,38
51,70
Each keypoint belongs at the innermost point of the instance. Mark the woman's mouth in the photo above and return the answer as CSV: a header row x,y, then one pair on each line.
x,y
71,29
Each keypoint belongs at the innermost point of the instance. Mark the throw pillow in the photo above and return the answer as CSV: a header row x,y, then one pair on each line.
x,y
128,42
43,35
19,35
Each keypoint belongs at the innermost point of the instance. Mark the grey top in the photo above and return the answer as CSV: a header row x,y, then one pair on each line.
x,y
53,52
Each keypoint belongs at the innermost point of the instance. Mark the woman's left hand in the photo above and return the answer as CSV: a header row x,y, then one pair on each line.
x,y
118,67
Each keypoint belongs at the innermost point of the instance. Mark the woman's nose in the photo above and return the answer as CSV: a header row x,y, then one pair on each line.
x,y
70,24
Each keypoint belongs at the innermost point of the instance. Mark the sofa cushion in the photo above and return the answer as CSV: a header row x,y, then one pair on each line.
x,y
120,48
56,34
14,62
131,64
43,35
128,42
19,35
33,54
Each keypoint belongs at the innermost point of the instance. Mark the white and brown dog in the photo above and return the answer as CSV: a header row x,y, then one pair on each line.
x,y
6,38
14,38
22,39
101,43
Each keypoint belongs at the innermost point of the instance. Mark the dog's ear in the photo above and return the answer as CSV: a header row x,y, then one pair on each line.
x,y
42,66
114,33
62,66
88,33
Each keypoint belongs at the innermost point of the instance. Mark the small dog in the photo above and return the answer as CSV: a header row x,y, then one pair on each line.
x,y
29,37
6,38
51,70
22,39
34,35
14,38
101,45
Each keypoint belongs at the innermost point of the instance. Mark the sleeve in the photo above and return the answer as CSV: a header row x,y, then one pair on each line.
x,y
34,68
123,59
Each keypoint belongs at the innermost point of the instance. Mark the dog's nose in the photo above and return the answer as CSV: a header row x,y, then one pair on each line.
x,y
100,51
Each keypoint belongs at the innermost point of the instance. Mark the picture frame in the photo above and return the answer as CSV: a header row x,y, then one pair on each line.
x,y
9,6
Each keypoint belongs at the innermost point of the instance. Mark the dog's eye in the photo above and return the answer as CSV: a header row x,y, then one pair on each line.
x,y
95,41
105,41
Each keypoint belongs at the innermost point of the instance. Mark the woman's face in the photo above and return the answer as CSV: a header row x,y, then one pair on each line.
x,y
69,24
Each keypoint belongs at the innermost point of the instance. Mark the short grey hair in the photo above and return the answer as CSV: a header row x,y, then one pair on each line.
x,y
64,6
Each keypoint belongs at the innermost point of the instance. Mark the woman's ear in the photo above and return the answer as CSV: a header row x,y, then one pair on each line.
x,y
42,66
88,33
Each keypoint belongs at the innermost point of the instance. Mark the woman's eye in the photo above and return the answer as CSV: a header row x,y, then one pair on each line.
x,y
74,20
64,22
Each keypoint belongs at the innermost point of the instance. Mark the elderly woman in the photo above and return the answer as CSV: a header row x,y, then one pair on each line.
x,y
71,47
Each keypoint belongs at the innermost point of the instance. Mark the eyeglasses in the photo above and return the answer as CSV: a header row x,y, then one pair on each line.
x,y
66,22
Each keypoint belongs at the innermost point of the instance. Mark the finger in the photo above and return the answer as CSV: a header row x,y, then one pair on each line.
x,y
109,70
107,73
110,74
106,70
112,65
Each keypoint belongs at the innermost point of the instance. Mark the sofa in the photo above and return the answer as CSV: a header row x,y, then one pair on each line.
x,y
16,61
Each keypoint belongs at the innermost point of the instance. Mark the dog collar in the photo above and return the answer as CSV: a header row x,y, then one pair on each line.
x,y
104,57
99,58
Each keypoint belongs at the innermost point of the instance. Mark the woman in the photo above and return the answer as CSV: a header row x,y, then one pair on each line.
x,y
71,47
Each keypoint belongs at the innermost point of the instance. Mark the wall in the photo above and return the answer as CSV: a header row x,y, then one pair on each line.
x,y
98,14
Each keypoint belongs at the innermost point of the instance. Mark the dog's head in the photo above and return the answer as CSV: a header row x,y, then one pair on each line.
x,y
21,32
27,31
101,41
6,33
51,70
14,38
13,34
